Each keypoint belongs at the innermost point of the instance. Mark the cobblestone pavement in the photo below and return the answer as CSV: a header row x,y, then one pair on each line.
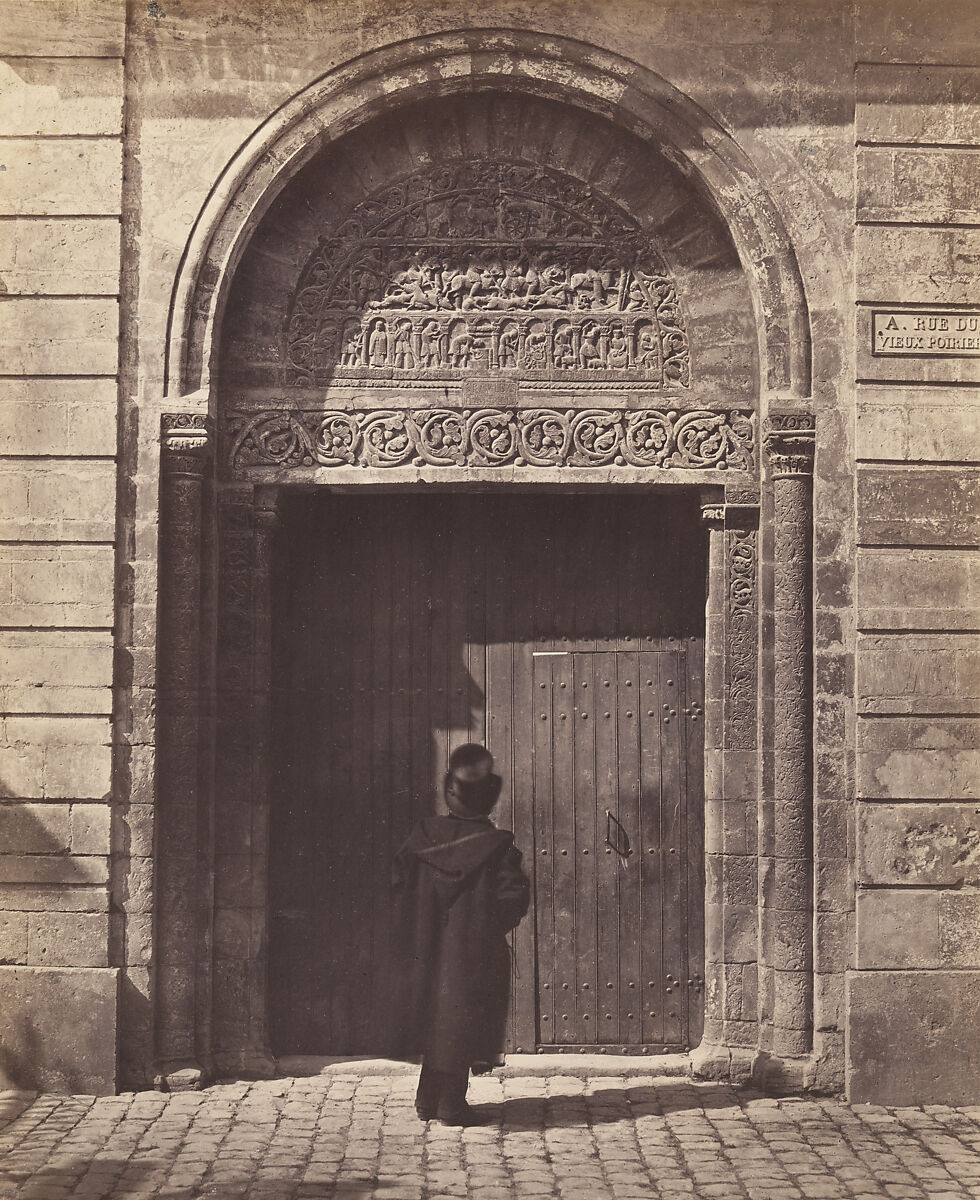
x,y
356,1136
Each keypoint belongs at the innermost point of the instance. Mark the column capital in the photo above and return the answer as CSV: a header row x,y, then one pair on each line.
x,y
789,436
186,442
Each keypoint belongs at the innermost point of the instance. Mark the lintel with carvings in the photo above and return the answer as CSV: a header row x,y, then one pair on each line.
x,y
697,439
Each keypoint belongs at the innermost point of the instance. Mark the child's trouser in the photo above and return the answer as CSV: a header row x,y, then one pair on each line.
x,y
441,1093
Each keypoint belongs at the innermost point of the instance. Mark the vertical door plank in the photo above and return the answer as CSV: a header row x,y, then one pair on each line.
x,y
674,853
421,591
524,570
542,854
389,528
653,893
458,581
694,856
564,859
359,842
584,799
607,864
440,673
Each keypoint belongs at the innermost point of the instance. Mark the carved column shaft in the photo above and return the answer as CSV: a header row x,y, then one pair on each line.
x,y
788,920
185,457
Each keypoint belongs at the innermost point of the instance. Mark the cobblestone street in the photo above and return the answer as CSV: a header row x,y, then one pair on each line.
x,y
352,1135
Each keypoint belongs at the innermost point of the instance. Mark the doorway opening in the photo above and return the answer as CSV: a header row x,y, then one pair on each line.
x,y
566,630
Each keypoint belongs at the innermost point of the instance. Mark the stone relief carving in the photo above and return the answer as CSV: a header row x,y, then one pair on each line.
x,y
492,437
479,266
742,643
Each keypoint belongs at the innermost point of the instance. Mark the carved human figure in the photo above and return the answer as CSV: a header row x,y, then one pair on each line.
x,y
617,355
588,350
431,345
507,345
647,351
460,347
563,352
536,346
378,345
402,350
350,355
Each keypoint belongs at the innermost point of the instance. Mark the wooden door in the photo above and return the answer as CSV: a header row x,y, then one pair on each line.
x,y
615,740
405,625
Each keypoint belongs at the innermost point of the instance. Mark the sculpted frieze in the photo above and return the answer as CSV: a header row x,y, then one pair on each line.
x,y
697,439
486,267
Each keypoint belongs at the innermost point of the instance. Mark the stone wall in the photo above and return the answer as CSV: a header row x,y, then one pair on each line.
x,y
61,93
912,997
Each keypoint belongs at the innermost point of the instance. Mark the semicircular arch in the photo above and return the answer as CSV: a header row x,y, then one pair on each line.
x,y
555,68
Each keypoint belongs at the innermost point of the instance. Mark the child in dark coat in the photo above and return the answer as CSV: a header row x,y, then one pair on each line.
x,y
459,890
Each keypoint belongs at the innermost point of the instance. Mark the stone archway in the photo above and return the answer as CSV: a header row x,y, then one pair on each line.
x,y
300,397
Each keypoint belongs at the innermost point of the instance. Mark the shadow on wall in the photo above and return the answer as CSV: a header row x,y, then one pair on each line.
x,y
58,995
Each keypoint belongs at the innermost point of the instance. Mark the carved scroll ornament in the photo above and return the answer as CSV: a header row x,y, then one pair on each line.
x,y
486,267
494,437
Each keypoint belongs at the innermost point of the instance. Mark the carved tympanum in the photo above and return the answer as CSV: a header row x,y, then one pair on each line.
x,y
487,267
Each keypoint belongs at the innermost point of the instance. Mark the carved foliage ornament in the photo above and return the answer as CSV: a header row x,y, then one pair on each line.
x,y
742,639
495,437
486,267
790,442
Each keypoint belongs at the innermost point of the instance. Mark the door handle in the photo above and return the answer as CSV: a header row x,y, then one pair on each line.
x,y
622,843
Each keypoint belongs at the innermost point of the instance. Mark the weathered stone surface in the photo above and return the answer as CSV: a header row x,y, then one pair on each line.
x,y
56,586
90,828
55,671
917,589
916,264
937,1013
40,1048
45,416
897,929
919,424
918,844
55,757
58,500
68,939
908,673
58,96
67,28
13,938
34,828
59,256
59,337
919,508
47,869
918,185
61,176
38,897
916,102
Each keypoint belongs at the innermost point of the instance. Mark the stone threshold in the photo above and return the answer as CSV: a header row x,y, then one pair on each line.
x,y
515,1066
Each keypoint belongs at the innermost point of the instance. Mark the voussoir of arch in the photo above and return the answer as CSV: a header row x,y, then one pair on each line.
x,y
557,68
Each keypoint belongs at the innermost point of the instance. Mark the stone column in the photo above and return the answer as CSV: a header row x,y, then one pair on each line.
x,y
185,460
787,890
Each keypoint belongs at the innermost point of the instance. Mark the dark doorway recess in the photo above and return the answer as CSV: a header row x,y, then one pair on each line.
x,y
567,630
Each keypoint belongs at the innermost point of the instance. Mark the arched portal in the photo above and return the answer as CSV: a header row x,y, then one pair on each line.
x,y
514,287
